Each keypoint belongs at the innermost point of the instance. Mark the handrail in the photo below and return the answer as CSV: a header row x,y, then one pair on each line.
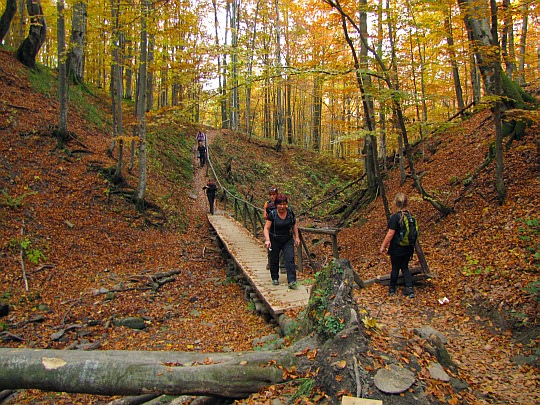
x,y
250,214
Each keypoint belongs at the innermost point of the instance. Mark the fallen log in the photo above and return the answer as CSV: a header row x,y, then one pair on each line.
x,y
417,275
114,372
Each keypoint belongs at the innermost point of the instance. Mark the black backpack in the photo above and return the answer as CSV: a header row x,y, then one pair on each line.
x,y
408,229
270,206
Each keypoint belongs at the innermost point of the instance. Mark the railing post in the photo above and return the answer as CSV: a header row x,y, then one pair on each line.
x,y
299,254
335,246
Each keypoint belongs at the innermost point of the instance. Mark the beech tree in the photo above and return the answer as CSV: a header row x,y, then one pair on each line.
x,y
7,16
28,50
141,104
75,58
481,21
61,133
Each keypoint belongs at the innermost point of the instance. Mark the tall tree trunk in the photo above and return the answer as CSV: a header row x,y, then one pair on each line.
x,y
22,20
141,105
499,171
317,114
116,93
507,40
75,60
455,68
225,123
128,72
61,134
421,64
251,53
7,16
234,65
27,52
523,42
280,119
149,88
488,53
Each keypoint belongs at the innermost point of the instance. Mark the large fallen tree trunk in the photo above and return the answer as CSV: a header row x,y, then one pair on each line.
x,y
115,372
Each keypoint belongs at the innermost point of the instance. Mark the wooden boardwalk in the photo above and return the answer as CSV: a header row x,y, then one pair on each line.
x,y
251,257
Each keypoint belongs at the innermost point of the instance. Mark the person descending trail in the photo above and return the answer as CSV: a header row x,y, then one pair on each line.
x,y
210,190
200,138
201,152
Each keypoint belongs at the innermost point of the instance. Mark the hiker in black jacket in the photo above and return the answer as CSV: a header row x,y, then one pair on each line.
x,y
399,255
210,190
281,234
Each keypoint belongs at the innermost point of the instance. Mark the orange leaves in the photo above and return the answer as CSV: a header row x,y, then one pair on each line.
x,y
310,354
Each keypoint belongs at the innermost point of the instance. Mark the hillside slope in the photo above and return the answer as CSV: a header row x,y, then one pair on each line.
x,y
95,241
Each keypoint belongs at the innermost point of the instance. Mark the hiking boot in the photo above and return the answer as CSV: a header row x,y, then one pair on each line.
x,y
293,285
392,291
408,292
275,282
283,270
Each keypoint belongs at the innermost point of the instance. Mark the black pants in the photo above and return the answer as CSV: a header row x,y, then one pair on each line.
x,y
202,158
400,263
211,199
287,246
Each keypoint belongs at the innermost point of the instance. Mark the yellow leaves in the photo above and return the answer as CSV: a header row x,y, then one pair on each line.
x,y
291,374
342,364
370,322
243,363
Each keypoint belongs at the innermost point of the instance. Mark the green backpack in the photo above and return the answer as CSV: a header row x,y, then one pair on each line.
x,y
408,230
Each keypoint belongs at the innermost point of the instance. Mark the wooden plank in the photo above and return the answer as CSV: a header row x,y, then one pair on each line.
x,y
345,400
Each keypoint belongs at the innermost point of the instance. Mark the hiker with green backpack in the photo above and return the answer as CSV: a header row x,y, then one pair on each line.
x,y
400,239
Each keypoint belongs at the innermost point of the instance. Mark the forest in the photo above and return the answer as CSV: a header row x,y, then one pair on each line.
x,y
340,103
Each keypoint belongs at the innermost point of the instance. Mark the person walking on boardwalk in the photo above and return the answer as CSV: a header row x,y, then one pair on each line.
x,y
210,190
281,234
269,206
399,255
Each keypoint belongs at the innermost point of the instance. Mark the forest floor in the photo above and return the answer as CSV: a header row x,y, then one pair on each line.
x,y
95,241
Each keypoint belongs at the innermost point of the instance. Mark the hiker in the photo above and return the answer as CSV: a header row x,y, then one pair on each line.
x,y
210,190
399,255
200,138
281,234
201,152
268,207
270,204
